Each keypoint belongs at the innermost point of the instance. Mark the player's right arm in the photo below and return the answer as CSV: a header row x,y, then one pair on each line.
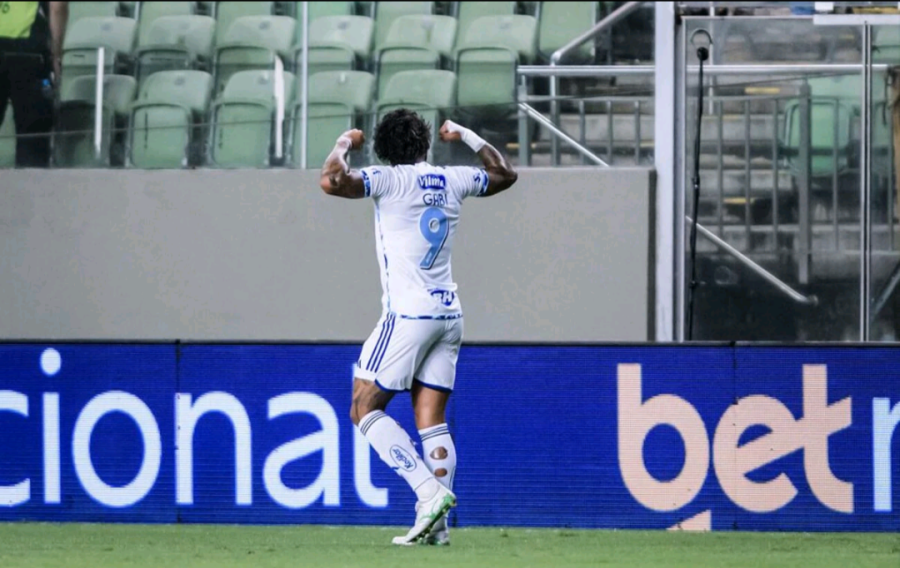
x,y
501,174
337,178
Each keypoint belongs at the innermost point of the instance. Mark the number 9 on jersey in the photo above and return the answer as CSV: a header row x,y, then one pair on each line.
x,y
435,228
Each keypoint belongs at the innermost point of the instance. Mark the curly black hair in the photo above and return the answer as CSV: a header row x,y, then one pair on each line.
x,y
402,137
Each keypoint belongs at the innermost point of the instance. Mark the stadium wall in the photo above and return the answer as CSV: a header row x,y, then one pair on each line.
x,y
704,437
566,255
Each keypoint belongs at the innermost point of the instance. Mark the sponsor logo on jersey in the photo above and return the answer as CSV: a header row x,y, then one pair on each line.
x,y
433,181
445,297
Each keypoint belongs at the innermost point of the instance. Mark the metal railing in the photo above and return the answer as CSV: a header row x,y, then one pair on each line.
x,y
557,56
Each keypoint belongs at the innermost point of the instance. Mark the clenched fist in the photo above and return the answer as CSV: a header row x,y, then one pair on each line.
x,y
356,137
450,132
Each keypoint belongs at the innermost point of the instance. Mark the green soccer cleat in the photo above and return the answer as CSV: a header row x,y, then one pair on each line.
x,y
439,535
428,514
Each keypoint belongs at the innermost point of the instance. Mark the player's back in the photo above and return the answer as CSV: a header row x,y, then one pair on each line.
x,y
416,214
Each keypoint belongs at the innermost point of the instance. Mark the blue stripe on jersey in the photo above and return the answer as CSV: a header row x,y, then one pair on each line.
x,y
384,346
367,183
377,343
439,317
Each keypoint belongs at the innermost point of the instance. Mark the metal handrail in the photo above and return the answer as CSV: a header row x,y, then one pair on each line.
x,y
623,70
583,70
810,300
602,25
530,111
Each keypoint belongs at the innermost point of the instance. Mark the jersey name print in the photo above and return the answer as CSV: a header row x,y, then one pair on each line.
x,y
416,214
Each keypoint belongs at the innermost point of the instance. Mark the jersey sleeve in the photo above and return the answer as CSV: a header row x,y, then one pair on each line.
x,y
377,181
467,181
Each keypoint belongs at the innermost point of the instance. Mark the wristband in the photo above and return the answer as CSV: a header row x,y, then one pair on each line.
x,y
472,140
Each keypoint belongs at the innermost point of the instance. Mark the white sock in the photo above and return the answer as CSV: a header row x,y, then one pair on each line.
x,y
439,453
395,448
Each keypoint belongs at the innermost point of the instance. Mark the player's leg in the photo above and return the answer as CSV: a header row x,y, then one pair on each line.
x,y
386,365
430,394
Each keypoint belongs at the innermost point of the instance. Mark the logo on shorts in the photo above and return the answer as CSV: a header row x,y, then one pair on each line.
x,y
433,181
402,458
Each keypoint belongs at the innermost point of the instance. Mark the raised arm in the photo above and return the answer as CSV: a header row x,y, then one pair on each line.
x,y
501,174
337,178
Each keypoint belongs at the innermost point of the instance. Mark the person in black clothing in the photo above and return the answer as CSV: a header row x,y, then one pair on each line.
x,y
31,38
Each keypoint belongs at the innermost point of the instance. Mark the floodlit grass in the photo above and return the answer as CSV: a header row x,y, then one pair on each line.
x,y
30,545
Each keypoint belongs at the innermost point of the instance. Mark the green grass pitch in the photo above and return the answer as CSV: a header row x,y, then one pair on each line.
x,y
30,545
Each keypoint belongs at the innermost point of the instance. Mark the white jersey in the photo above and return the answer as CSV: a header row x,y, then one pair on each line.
x,y
416,214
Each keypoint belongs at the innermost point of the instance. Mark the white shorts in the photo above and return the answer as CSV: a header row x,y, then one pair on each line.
x,y
400,351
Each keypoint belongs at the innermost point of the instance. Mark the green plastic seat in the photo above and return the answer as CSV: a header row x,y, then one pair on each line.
x,y
73,136
176,42
415,42
228,12
79,10
561,22
320,10
253,42
337,43
242,120
486,64
387,12
431,93
164,119
337,100
886,45
468,12
151,11
830,126
8,139
83,38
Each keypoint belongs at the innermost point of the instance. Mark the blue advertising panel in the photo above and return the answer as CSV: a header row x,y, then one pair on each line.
x,y
86,432
654,436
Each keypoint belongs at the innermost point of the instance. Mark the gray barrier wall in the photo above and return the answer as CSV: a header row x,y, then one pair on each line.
x,y
565,255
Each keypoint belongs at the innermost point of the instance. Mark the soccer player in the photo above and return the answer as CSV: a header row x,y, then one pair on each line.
x,y
415,344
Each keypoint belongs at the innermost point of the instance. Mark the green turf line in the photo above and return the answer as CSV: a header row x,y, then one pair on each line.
x,y
32,545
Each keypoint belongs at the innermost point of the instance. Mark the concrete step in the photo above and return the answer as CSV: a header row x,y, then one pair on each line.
x,y
625,127
762,238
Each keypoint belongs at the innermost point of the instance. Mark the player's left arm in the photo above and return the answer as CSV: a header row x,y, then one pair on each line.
x,y
337,178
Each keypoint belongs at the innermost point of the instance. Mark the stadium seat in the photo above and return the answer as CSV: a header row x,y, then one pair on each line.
x,y
228,12
886,45
79,10
126,9
431,93
415,42
83,38
336,99
176,42
486,64
163,120
337,43
73,136
830,125
561,22
8,139
468,12
242,119
151,11
320,10
387,12
253,42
